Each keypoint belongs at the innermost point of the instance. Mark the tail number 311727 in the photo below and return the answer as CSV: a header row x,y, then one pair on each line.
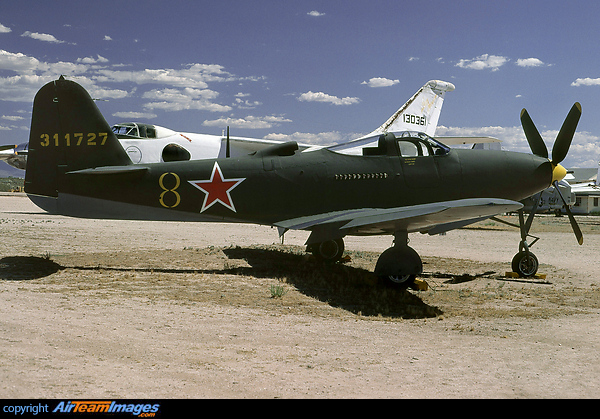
x,y
75,139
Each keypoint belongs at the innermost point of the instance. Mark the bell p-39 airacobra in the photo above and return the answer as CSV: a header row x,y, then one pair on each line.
x,y
400,183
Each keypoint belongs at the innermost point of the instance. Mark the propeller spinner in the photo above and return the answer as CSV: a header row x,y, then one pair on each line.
x,y
559,152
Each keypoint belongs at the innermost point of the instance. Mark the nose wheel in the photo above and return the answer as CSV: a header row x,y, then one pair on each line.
x,y
525,264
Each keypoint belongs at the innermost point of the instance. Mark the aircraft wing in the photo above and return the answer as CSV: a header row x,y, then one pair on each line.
x,y
14,155
431,218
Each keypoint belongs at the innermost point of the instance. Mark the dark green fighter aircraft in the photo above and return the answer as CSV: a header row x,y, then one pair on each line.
x,y
391,184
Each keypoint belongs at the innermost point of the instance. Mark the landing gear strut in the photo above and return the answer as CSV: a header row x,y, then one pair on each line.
x,y
525,263
399,265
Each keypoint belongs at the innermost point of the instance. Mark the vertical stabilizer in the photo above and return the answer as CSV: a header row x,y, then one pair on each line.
x,y
68,133
420,113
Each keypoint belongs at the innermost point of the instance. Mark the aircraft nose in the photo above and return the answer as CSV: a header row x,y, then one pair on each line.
x,y
558,173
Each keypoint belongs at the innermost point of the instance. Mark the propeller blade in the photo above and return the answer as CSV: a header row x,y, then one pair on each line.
x,y
574,224
535,140
565,135
7,147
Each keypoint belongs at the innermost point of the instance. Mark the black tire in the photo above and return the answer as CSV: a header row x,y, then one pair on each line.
x,y
398,282
330,251
525,264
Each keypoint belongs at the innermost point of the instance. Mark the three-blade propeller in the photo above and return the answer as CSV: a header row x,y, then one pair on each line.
x,y
559,152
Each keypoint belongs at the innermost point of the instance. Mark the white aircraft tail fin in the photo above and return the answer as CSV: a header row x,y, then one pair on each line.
x,y
420,113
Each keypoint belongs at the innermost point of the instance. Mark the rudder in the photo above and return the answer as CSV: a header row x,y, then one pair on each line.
x,y
420,113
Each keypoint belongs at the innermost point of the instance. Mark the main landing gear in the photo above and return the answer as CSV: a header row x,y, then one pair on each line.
x,y
397,266
329,251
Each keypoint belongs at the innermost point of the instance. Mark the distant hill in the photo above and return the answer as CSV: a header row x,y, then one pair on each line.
x,y
9,171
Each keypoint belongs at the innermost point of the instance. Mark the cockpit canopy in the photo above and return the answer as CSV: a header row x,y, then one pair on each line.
x,y
405,144
134,130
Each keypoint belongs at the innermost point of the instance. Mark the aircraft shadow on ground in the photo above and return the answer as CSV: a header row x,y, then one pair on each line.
x,y
25,268
339,285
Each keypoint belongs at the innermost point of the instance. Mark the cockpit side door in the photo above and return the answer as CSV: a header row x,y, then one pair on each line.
x,y
417,159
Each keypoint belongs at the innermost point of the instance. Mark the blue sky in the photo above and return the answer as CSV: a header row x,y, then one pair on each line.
x,y
313,71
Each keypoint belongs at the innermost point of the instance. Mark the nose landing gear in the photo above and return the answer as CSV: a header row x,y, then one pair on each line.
x,y
525,263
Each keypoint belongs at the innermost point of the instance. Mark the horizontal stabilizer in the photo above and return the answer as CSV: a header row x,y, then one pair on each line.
x,y
110,170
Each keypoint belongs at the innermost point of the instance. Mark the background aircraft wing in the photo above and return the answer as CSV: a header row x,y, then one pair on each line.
x,y
467,140
244,146
431,218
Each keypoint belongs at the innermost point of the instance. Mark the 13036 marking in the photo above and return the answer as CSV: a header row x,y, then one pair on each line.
x,y
414,119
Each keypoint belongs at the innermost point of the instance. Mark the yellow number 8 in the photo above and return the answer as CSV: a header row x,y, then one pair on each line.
x,y
172,190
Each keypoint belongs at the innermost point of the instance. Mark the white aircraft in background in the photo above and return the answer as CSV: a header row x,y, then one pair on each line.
x,y
147,143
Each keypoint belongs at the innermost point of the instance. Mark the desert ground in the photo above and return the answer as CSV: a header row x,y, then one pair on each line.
x,y
124,309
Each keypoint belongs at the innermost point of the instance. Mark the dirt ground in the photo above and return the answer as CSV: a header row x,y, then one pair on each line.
x,y
122,309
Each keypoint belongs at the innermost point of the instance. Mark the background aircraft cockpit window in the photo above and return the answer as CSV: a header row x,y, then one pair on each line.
x,y
134,130
129,130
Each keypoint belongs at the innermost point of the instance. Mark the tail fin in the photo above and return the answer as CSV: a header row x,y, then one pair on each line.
x,y
68,133
420,113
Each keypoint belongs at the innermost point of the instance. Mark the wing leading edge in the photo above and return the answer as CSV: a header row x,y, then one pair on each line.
x,y
434,218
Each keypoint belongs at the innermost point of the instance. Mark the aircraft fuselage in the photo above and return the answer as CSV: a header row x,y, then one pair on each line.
x,y
268,188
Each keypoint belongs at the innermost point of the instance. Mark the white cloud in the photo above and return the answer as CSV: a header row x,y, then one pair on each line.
x,y
4,29
184,99
194,75
246,104
586,82
107,38
92,60
380,82
134,115
315,13
100,93
249,122
530,62
485,61
324,97
22,88
176,89
584,150
12,118
42,37
322,138
20,62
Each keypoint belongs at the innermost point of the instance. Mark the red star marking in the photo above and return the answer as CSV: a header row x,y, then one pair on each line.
x,y
217,189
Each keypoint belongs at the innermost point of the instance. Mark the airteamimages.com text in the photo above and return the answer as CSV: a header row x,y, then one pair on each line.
x,y
142,410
